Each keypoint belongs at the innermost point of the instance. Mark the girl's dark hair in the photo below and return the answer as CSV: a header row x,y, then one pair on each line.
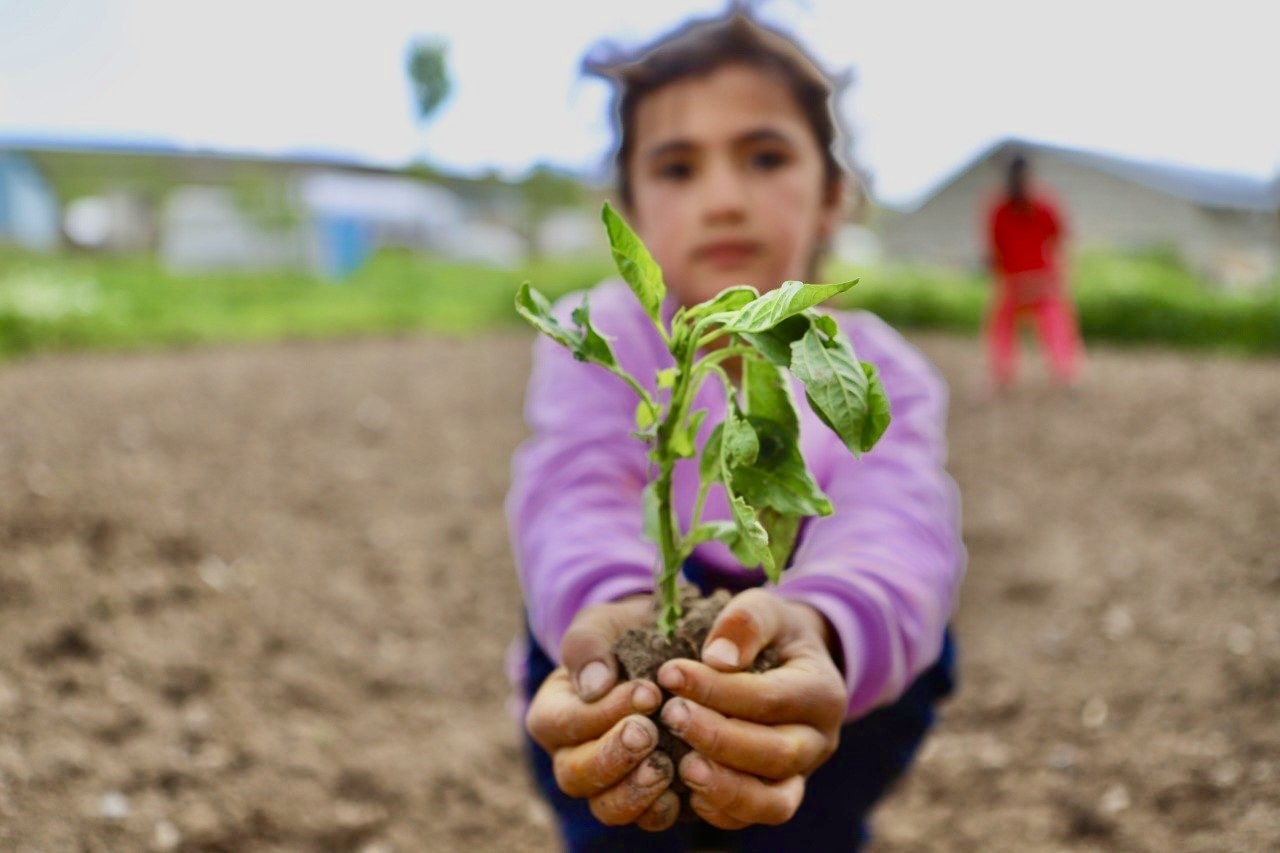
x,y
701,47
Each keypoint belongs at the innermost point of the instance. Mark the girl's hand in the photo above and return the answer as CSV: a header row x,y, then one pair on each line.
x,y
600,742
755,736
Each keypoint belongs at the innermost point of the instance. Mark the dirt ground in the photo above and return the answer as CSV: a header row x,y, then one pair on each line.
x,y
257,599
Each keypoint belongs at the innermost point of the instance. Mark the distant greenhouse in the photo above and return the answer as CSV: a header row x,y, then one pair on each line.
x,y
330,222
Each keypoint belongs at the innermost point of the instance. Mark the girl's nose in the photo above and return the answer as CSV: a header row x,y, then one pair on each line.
x,y
724,197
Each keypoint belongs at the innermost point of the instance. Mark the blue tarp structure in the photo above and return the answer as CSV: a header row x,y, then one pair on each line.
x,y
345,243
28,207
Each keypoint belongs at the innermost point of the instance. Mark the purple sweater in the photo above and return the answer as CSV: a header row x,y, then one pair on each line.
x,y
884,569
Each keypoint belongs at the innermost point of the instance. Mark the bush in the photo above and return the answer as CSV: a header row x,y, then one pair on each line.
x,y
1127,299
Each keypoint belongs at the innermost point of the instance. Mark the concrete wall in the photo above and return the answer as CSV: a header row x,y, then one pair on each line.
x,y
1243,248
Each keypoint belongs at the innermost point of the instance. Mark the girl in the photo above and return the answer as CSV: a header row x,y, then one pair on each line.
x,y
726,169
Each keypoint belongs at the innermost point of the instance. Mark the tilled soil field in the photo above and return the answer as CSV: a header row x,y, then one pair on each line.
x,y
257,599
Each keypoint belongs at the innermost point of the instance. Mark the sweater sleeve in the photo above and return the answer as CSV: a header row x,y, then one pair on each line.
x,y
575,507
885,568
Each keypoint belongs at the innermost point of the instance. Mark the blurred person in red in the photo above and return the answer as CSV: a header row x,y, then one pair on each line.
x,y
1024,233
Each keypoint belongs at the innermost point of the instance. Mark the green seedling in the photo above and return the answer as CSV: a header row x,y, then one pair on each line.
x,y
755,452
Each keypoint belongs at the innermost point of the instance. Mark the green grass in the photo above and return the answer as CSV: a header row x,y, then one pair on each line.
x,y
119,303
1123,299
83,302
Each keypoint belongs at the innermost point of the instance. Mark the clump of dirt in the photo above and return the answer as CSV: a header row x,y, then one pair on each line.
x,y
642,651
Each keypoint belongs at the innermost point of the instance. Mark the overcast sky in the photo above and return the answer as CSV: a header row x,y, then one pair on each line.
x,y
1190,82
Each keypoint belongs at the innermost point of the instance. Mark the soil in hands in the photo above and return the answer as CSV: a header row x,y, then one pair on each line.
x,y
641,651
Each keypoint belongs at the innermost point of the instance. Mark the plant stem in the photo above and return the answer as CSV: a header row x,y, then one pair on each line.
x,y
724,355
689,376
635,386
670,540
703,488
669,554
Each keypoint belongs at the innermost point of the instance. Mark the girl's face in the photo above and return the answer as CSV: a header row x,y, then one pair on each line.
x,y
727,183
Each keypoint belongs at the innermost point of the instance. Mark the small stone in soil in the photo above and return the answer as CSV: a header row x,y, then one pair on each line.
x,y
166,836
113,806
1094,713
1115,800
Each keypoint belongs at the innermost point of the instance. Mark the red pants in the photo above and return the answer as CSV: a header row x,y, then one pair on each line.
x,y
1040,297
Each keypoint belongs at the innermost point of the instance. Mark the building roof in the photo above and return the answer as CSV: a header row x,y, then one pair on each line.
x,y
1204,187
165,149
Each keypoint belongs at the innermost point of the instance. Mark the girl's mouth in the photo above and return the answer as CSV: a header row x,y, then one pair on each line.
x,y
727,254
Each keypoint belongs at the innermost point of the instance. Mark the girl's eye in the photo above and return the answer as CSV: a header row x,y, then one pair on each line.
x,y
675,171
767,161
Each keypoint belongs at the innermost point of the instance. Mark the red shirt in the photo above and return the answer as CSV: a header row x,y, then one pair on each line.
x,y
1024,238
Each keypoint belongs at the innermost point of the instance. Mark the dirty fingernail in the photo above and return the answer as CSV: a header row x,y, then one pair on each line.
x,y
696,771
722,652
649,775
645,697
676,715
671,678
635,737
593,678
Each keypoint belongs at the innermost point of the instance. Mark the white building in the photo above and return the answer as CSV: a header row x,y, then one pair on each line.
x,y
1224,226
203,210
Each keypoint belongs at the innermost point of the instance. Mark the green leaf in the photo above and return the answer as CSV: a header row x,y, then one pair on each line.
x,y
636,266
644,416
835,384
720,531
782,530
709,468
778,478
649,498
740,443
768,394
585,342
788,300
731,299
775,482
681,341
534,307
826,324
878,409
593,347
775,344
667,378
684,439
695,424
751,547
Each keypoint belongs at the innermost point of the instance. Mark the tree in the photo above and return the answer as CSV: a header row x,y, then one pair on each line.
x,y
429,75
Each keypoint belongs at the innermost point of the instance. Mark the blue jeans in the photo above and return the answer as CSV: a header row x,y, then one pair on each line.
x,y
874,751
